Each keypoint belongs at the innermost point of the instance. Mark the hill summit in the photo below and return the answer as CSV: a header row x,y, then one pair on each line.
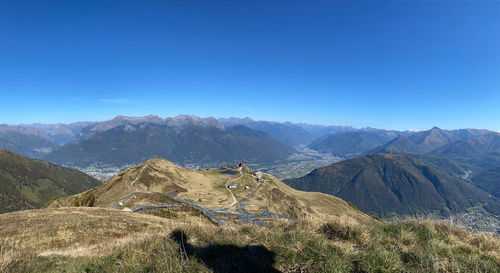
x,y
386,184
225,195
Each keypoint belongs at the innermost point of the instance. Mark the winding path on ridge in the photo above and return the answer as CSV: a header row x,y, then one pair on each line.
x,y
243,203
201,209
235,201
210,213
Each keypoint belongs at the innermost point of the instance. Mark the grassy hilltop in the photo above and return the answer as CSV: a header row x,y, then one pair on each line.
x,y
208,188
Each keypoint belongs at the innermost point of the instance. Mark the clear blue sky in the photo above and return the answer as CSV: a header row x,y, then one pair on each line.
x,y
386,64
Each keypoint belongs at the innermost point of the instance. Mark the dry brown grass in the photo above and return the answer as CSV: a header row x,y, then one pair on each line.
x,y
162,176
148,198
104,240
78,231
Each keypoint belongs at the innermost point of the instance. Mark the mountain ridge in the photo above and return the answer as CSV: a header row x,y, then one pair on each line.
x,y
424,142
186,144
477,154
31,145
385,184
351,144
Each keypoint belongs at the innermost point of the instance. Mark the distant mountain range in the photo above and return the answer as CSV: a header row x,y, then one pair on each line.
x,y
425,141
386,172
288,133
386,184
29,183
292,134
99,127
184,140
59,134
79,135
351,144
477,154
295,134
195,141
32,145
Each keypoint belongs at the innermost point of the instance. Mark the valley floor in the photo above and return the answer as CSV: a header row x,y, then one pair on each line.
x,y
298,164
475,219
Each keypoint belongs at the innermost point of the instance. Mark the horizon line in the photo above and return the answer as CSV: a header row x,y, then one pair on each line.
x,y
243,118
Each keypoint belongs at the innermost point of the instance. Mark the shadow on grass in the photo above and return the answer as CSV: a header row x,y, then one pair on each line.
x,y
227,257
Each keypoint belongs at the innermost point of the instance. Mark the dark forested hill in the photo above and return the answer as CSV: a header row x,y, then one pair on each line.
x,y
384,184
489,181
445,165
29,183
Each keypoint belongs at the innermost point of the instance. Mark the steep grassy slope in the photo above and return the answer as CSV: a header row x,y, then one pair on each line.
x,y
29,183
186,144
106,240
208,188
384,184
91,229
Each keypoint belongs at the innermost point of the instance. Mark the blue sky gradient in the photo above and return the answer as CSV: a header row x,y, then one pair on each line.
x,y
385,64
